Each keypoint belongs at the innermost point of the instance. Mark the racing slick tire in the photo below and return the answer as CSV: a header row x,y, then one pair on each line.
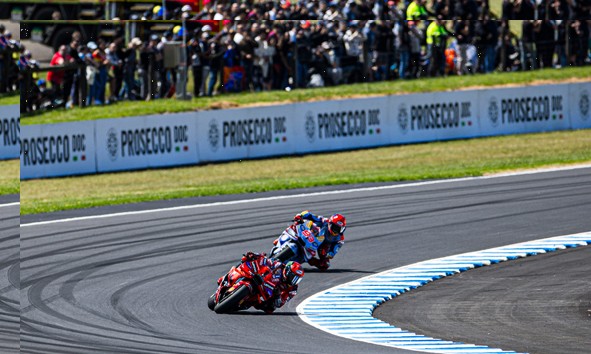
x,y
230,303
284,255
211,302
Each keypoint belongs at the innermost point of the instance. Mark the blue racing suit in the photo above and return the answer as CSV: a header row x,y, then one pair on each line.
x,y
331,244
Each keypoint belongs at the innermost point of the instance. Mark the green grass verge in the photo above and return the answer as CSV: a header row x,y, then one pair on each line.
x,y
9,100
10,177
450,159
137,108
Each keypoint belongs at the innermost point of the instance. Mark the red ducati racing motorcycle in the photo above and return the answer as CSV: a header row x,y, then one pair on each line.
x,y
245,285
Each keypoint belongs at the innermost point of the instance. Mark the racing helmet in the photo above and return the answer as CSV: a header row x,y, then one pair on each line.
x,y
337,224
293,273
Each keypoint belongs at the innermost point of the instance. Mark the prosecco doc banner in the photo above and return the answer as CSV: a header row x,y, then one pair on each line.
x,y
223,135
9,132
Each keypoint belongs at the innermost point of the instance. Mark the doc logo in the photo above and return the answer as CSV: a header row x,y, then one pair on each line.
x,y
310,126
214,135
403,118
112,144
584,104
493,111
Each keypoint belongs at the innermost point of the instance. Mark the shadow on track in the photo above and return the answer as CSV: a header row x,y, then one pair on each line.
x,y
316,270
261,313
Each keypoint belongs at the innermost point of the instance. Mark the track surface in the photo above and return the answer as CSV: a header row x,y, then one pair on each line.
x,y
503,304
139,283
9,275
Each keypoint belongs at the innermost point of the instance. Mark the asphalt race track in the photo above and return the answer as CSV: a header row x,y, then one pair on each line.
x,y
502,304
9,274
139,283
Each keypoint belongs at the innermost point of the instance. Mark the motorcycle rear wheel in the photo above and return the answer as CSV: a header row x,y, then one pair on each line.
x,y
230,302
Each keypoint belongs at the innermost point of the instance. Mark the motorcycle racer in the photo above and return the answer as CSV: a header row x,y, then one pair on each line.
x,y
285,277
332,229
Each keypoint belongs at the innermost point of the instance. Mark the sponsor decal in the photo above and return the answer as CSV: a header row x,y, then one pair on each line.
x,y
10,131
403,118
342,124
157,140
584,104
493,111
213,135
440,115
530,109
310,126
112,144
53,149
247,132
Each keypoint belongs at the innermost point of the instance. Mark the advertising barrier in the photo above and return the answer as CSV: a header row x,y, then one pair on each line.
x,y
339,125
434,116
255,132
246,133
9,132
58,150
525,110
143,142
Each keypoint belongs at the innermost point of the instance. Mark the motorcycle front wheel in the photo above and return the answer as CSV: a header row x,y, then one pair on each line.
x,y
284,255
211,302
229,302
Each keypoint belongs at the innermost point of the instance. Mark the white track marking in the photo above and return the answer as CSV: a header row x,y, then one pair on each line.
x,y
9,204
308,195
346,310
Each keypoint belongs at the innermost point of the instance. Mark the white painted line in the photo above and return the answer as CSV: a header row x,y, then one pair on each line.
x,y
9,204
308,195
339,299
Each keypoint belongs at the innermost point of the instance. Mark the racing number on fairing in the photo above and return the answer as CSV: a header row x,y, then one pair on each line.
x,y
308,235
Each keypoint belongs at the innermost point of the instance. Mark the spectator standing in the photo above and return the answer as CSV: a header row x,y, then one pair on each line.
x,y
130,62
303,56
544,39
437,36
466,10
579,42
100,56
265,52
560,42
354,46
487,34
149,69
416,10
528,48
214,53
402,31
116,66
167,75
385,47
558,10
4,55
464,35
56,77
195,55
281,61
77,79
247,46
91,72
231,60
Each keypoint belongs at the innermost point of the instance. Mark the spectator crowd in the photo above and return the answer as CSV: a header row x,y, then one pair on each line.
x,y
10,50
271,45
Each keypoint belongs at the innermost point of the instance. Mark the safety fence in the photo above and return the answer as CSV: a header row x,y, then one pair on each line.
x,y
223,135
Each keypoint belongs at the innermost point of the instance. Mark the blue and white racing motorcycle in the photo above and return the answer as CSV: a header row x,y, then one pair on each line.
x,y
298,243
